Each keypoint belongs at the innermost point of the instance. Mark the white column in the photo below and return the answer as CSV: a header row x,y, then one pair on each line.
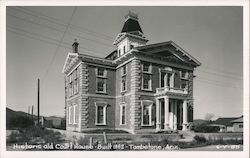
x,y
175,115
171,114
166,112
184,125
158,121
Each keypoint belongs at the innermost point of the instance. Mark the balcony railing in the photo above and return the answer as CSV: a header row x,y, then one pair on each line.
x,y
172,90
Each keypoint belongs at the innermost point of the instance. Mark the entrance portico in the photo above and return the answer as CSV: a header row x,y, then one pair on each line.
x,y
171,114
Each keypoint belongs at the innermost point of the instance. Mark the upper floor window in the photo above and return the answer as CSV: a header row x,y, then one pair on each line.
x,y
119,52
101,80
131,46
146,76
73,85
124,70
101,85
123,84
124,49
184,74
146,68
101,72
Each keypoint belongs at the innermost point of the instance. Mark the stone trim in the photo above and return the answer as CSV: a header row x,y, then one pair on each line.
x,y
83,89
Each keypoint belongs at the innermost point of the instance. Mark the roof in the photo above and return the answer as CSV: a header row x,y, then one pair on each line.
x,y
224,121
131,25
168,43
239,120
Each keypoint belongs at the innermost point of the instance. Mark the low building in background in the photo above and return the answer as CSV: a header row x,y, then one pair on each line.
x,y
229,124
237,125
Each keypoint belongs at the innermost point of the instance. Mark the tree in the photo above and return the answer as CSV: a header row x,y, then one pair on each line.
x,y
209,116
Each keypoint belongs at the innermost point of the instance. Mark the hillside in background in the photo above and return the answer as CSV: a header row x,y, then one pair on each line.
x,y
20,119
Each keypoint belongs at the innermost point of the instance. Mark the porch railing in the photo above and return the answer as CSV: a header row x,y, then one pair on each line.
x,y
171,89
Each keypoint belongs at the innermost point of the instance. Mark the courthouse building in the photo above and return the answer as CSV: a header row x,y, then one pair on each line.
x,y
138,87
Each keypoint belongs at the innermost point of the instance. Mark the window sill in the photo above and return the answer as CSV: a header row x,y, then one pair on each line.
x,y
105,77
122,92
146,125
146,72
148,90
98,92
100,124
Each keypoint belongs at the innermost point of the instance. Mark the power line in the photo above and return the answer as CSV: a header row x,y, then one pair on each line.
x,y
58,46
47,38
216,84
30,35
221,71
58,22
222,75
72,34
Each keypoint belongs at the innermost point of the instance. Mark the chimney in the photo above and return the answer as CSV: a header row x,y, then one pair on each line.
x,y
75,46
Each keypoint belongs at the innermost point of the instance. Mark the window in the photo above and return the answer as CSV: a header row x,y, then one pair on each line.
x,y
100,113
131,46
124,49
146,112
146,68
101,77
122,114
184,84
119,52
124,70
72,81
123,78
75,82
74,114
123,85
101,85
146,76
101,72
240,126
184,74
69,114
146,82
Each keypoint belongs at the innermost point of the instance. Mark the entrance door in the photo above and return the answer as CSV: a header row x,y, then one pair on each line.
x,y
179,115
162,109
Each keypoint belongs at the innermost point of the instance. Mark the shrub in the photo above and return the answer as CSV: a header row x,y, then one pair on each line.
x,y
18,122
206,129
200,139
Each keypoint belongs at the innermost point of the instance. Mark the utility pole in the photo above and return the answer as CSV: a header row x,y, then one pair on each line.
x,y
28,112
38,102
32,114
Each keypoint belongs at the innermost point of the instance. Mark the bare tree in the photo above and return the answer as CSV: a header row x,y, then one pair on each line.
x,y
209,116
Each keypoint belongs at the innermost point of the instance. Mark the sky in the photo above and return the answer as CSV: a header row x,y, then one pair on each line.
x,y
39,39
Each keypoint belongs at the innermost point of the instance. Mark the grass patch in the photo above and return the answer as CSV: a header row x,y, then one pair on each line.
x,y
35,135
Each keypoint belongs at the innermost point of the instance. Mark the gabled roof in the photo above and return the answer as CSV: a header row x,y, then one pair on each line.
x,y
131,25
224,121
183,55
239,120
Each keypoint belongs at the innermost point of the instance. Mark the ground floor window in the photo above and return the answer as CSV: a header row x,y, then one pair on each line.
x,y
100,113
72,117
69,114
122,114
146,106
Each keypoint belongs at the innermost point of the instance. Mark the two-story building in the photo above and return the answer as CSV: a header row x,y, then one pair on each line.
x,y
138,87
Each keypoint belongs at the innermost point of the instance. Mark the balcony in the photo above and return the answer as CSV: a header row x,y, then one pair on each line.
x,y
164,90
